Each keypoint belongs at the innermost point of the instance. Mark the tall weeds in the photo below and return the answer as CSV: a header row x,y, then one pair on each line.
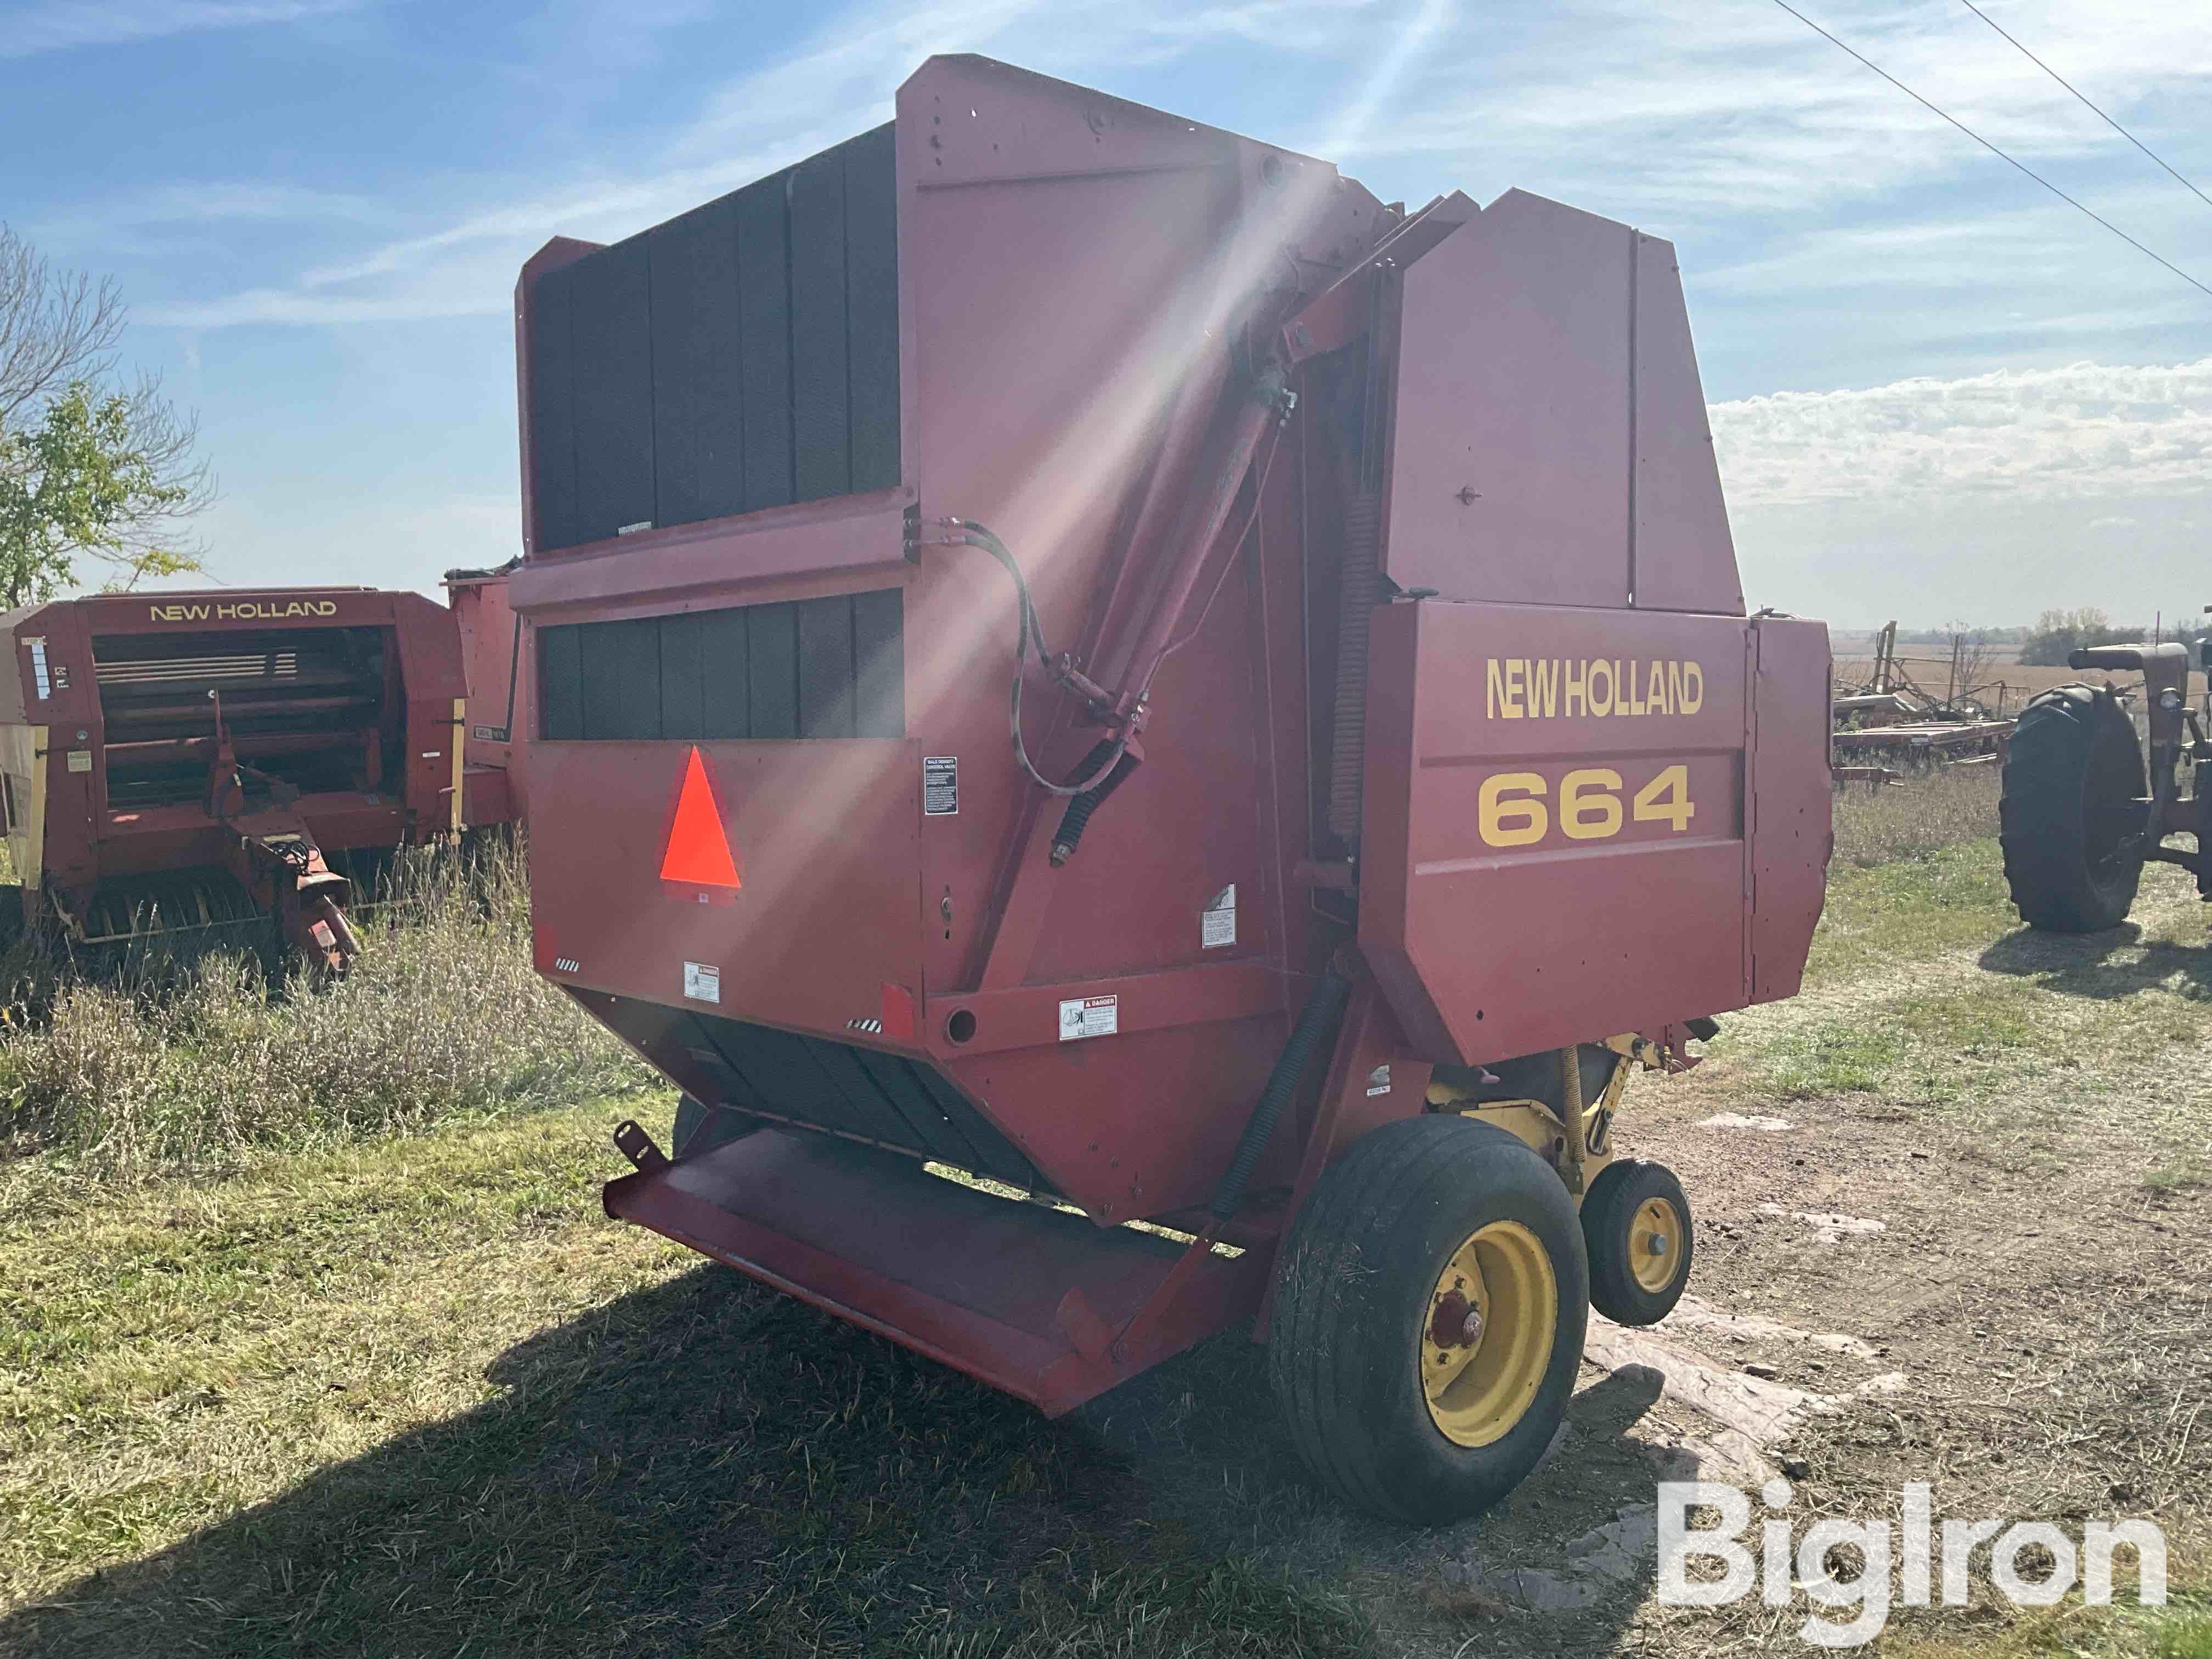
x,y
181,1062
1914,818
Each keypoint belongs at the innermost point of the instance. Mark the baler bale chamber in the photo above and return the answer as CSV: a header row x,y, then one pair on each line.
x,y
176,763
1393,767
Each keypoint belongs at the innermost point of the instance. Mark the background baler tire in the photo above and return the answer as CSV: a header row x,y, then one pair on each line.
x,y
2073,747
1609,1211
1354,1281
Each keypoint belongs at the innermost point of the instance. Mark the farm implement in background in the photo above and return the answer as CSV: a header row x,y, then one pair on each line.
x,y
2087,802
1392,765
1891,725
176,764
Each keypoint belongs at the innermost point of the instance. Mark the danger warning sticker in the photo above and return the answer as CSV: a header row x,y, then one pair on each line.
x,y
1217,923
702,982
1089,1016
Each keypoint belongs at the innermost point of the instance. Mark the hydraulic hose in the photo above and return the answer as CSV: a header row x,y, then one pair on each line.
x,y
1069,835
1029,634
1314,1022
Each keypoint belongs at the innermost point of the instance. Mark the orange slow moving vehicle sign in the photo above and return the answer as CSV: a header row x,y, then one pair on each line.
x,y
698,854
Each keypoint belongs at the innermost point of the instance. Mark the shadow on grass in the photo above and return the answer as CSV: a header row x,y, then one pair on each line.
x,y
2082,965
709,1467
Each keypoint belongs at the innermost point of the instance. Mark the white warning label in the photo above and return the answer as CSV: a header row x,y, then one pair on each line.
x,y
940,785
1217,923
1378,1080
1089,1016
702,982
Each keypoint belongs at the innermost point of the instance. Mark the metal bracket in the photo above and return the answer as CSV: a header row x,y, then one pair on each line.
x,y
633,1144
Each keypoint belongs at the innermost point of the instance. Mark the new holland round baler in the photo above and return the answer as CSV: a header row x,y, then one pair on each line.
x,y
172,763
1150,738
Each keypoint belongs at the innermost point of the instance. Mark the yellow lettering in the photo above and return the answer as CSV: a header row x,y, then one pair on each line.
x,y
1666,799
1693,687
1602,705
1657,689
1494,686
1515,821
1511,705
1577,678
1590,804
1544,687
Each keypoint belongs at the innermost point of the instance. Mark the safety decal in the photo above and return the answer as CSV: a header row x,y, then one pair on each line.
x,y
1089,1016
1217,923
940,785
702,982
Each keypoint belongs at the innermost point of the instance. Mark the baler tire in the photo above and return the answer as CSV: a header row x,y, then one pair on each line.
x,y
2073,747
701,1128
1353,1293
1616,1198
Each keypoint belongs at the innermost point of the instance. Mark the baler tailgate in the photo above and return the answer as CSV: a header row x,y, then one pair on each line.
x,y
971,1279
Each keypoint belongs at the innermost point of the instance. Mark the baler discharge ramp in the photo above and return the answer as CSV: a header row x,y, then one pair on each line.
x,y
1393,766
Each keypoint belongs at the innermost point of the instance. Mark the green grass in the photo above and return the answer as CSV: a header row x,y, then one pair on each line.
x,y
420,1396
2180,1629
1951,897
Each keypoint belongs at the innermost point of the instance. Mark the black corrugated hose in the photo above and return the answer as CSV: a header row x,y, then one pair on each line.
x,y
1069,835
1315,1021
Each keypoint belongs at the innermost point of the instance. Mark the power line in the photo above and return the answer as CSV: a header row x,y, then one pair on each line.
x,y
1994,150
2076,91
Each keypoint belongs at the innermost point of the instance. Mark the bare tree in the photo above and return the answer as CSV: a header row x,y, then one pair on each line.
x,y
1972,657
59,331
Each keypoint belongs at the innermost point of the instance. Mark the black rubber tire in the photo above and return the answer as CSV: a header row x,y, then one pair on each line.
x,y
1353,1285
701,1128
2075,747
1609,1208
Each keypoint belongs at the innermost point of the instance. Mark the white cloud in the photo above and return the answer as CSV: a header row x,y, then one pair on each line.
x,y
63,24
2088,430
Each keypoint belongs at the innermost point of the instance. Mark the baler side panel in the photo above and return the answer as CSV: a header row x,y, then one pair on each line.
x,y
1510,475
1082,265
1571,789
821,836
1792,828
1685,557
500,658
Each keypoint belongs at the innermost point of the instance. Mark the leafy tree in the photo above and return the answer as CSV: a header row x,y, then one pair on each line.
x,y
2058,633
77,481
88,468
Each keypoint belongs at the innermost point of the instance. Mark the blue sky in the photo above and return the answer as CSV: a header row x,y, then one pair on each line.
x,y
1938,392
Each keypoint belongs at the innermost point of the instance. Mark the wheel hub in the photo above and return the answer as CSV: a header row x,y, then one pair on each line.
x,y
1657,1233
1486,1342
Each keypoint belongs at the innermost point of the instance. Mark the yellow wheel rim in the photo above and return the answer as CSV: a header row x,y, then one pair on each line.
x,y
1486,1334
1656,1233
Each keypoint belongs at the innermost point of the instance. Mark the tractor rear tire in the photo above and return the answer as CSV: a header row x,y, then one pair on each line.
x,y
1429,1313
1631,1204
2072,865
